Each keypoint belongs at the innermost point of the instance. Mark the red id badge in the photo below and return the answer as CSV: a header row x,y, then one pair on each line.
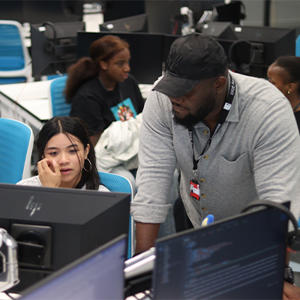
x,y
194,190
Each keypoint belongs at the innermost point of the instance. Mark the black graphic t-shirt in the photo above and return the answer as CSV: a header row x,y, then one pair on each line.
x,y
98,107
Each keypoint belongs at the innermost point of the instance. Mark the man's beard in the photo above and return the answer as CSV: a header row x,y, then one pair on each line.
x,y
192,119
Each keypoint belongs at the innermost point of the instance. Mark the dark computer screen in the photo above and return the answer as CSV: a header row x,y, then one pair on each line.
x,y
53,227
277,41
268,43
238,258
116,9
53,47
220,30
37,11
136,23
145,49
96,276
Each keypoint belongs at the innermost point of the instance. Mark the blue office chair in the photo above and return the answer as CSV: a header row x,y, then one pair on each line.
x,y
15,62
118,183
298,46
59,106
16,143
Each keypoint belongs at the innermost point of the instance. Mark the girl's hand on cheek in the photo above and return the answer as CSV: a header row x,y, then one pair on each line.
x,y
49,173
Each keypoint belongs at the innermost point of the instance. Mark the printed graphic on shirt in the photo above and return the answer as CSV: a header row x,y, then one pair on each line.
x,y
124,110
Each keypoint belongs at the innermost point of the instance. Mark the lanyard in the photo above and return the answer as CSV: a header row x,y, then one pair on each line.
x,y
222,117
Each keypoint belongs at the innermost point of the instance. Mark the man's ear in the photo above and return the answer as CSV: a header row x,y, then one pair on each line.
x,y
220,82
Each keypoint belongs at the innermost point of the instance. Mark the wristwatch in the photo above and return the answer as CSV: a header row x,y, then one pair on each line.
x,y
289,275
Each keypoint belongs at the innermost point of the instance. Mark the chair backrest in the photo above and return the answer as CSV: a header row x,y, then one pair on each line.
x,y
298,46
118,183
59,106
15,62
16,143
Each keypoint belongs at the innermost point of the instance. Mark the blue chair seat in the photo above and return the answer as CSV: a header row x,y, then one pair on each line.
x,y
9,63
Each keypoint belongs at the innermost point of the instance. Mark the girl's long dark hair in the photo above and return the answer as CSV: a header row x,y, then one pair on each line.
x,y
102,49
75,127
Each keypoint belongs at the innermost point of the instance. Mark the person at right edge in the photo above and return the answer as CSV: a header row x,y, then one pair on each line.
x,y
284,73
233,138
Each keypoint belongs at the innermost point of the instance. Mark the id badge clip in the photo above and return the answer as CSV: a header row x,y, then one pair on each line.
x,y
195,190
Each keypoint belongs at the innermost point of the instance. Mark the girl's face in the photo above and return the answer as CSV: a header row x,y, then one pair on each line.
x,y
69,153
117,68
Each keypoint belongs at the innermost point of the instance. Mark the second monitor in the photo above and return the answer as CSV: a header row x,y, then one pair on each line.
x,y
53,226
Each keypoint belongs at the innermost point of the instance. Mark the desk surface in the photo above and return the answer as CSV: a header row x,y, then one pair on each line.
x,y
3,296
35,96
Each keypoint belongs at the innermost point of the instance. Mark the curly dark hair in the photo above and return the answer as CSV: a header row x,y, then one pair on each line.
x,y
292,66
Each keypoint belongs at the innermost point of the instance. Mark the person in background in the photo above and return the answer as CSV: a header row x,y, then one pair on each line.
x,y
66,156
284,73
100,88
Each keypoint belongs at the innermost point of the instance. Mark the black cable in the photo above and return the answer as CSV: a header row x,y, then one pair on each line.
x,y
8,295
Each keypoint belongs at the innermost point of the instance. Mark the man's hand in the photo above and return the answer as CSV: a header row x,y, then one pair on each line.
x,y
290,292
49,173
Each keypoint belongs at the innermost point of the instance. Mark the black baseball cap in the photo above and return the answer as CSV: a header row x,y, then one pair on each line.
x,y
192,58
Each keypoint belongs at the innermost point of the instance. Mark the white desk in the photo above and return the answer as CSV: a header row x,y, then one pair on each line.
x,y
27,102
30,102
3,296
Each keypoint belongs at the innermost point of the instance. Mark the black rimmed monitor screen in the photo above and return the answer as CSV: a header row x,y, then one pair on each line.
x,y
96,276
136,23
36,11
276,41
239,258
53,227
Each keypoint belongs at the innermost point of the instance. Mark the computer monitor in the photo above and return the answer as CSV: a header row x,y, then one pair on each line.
x,y
55,226
53,47
221,30
268,43
116,9
37,11
277,41
242,257
136,23
145,48
96,276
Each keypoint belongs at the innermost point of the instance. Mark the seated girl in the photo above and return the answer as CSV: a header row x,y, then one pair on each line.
x,y
66,156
